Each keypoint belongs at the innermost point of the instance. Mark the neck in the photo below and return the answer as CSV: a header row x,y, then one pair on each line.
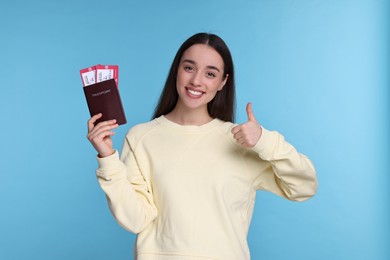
x,y
183,116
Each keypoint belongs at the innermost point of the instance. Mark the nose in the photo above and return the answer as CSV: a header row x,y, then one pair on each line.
x,y
196,79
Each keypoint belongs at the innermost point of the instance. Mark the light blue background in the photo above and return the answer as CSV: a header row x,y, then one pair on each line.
x,y
316,71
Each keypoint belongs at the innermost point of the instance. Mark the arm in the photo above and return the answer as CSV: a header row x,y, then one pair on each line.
x,y
128,192
289,173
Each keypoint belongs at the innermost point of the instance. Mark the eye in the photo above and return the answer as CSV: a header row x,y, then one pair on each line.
x,y
211,75
188,68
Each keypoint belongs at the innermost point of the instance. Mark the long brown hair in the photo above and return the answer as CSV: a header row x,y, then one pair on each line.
x,y
223,104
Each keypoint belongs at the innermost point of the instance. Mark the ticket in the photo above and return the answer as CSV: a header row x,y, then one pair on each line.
x,y
88,76
106,72
99,73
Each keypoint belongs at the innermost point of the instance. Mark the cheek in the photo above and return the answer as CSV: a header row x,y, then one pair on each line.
x,y
217,86
179,84
213,91
180,79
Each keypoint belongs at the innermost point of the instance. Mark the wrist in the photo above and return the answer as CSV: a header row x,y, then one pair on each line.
x,y
102,155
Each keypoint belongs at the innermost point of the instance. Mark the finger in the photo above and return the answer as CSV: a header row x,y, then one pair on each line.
x,y
102,127
236,129
92,120
239,136
96,138
242,141
104,124
249,111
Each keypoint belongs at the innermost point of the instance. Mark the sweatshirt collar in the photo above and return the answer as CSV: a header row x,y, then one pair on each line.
x,y
189,128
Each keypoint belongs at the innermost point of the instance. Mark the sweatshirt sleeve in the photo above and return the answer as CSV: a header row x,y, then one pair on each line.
x,y
127,191
289,173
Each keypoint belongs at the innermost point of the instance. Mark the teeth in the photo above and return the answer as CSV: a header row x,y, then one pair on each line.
x,y
193,92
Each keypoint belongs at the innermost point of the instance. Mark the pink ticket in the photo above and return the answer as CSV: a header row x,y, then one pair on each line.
x,y
88,76
99,73
106,72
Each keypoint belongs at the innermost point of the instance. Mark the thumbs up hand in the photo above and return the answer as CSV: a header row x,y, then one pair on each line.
x,y
249,133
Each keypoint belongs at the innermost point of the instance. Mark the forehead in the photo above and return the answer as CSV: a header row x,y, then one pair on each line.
x,y
203,55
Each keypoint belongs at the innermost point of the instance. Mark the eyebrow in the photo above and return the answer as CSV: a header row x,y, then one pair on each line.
x,y
209,66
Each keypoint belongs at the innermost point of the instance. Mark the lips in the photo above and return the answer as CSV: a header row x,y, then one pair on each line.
x,y
194,93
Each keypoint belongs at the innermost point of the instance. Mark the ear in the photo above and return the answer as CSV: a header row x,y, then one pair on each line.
x,y
223,83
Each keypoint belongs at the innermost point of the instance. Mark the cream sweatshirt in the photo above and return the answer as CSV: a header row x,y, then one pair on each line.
x,y
189,191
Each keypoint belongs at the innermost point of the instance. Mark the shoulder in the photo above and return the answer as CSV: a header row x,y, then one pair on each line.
x,y
225,130
141,128
139,131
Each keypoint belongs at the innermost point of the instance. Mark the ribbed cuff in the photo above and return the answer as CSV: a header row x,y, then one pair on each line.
x,y
266,144
109,165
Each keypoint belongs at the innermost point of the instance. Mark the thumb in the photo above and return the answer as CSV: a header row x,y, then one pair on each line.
x,y
251,116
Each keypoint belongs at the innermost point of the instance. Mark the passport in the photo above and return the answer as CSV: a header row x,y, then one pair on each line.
x,y
103,97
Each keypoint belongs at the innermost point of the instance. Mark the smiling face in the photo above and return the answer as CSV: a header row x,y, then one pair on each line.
x,y
200,76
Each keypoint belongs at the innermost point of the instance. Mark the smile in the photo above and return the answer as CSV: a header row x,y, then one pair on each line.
x,y
194,92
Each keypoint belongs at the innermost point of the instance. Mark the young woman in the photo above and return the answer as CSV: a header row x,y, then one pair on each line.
x,y
186,181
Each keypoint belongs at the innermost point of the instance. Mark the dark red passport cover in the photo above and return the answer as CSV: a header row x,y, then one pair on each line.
x,y
103,97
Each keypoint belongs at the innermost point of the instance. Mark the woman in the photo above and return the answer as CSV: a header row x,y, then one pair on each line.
x,y
186,181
